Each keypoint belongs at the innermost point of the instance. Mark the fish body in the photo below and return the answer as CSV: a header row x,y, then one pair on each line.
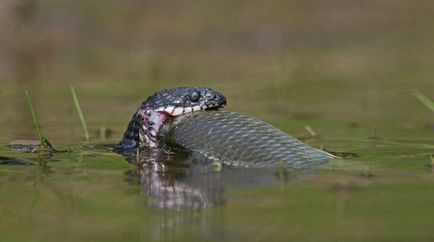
x,y
235,139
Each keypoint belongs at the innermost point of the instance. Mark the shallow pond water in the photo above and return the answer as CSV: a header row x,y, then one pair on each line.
x,y
90,193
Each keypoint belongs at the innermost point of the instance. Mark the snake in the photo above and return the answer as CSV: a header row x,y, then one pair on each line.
x,y
191,119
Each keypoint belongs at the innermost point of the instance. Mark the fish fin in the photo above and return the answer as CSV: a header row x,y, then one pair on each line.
x,y
208,160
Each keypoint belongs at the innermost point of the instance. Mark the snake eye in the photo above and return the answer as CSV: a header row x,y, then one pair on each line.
x,y
194,96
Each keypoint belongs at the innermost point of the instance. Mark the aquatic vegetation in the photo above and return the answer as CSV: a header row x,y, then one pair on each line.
x,y
44,148
424,100
33,111
80,113
45,145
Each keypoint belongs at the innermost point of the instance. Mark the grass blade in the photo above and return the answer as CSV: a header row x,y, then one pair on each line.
x,y
424,100
33,111
80,113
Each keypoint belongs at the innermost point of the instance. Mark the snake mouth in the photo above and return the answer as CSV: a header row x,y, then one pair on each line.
x,y
152,120
176,111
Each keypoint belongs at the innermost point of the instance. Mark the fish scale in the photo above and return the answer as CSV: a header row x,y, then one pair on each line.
x,y
239,140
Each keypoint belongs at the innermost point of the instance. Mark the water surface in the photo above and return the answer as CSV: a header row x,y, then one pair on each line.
x,y
92,194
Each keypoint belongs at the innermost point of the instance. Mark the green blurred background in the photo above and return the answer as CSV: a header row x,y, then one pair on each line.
x,y
342,67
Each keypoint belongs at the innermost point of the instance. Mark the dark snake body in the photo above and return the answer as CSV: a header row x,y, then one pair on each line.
x,y
235,139
186,118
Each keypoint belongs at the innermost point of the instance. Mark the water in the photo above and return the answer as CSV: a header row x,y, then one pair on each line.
x,y
347,69
92,194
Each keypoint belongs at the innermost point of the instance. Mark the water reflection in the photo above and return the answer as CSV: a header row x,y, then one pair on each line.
x,y
179,188
176,181
188,194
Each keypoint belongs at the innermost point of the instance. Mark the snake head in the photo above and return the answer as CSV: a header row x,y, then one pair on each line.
x,y
177,101
173,102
